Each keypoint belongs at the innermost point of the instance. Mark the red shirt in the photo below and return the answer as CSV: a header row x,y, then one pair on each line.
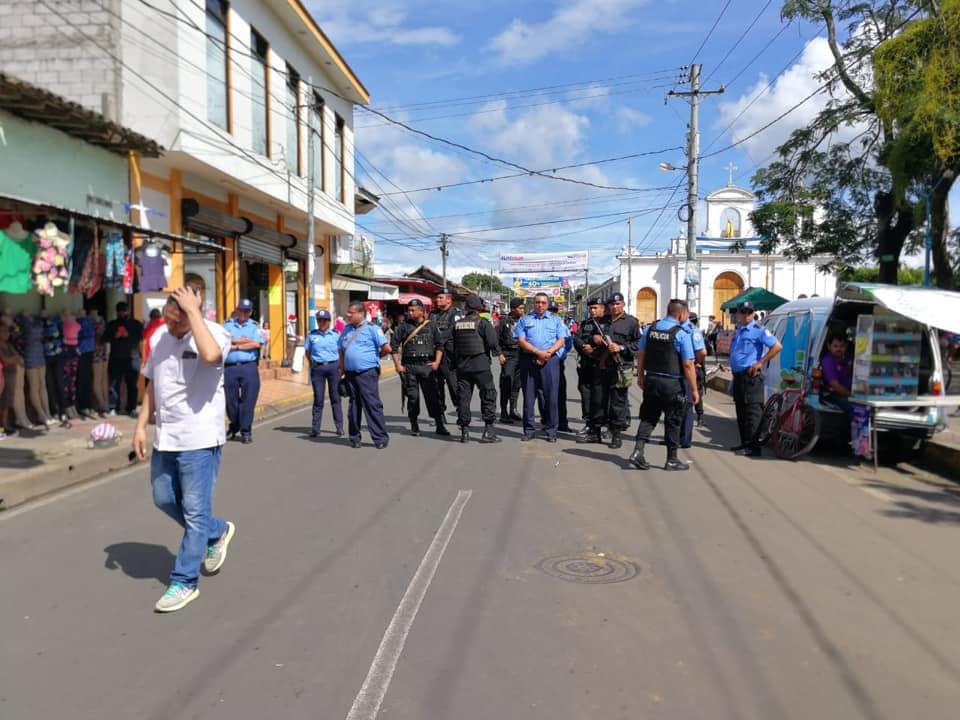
x,y
151,328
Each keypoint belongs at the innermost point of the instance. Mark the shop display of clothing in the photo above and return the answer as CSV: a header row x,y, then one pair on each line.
x,y
115,266
152,263
31,341
51,265
83,240
16,263
86,342
53,354
71,360
14,381
91,276
101,377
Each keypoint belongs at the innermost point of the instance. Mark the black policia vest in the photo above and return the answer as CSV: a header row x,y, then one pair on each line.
x,y
420,346
661,356
508,343
467,342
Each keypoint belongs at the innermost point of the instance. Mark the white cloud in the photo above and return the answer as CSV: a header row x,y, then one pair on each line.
x,y
629,119
490,116
571,24
796,83
541,137
591,97
348,23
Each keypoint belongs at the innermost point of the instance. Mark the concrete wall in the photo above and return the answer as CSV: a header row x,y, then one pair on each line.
x,y
70,57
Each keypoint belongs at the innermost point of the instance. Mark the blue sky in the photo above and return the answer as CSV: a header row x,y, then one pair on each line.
x,y
553,84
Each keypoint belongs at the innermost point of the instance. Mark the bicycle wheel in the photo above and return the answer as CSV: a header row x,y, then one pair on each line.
x,y
796,432
768,420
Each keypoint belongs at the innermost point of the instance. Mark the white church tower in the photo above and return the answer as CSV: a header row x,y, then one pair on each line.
x,y
730,261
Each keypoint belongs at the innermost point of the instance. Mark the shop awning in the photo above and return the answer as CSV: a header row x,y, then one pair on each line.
x,y
58,210
405,299
761,299
930,306
374,290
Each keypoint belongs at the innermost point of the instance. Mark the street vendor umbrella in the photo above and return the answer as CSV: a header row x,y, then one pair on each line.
x,y
761,299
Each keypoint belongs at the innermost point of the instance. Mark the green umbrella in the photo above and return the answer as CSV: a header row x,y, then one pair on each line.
x,y
761,299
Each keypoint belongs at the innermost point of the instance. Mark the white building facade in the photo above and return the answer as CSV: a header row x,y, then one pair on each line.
x,y
728,260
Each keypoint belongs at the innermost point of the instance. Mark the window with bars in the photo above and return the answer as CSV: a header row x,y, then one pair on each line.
x,y
293,120
259,96
217,86
319,142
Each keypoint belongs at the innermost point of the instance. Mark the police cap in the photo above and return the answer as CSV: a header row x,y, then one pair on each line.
x,y
416,302
517,302
553,308
746,308
474,302
595,301
616,297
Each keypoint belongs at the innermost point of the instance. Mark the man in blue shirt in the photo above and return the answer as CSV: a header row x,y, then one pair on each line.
x,y
752,346
322,348
541,336
700,356
664,371
361,347
241,377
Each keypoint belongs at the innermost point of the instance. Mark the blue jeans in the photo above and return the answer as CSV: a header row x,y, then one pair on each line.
x,y
183,488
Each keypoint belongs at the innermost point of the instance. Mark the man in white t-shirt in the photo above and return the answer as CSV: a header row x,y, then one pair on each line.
x,y
185,368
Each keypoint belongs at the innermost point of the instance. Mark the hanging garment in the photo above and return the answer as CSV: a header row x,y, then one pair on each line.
x,y
52,337
83,240
128,275
16,263
50,265
115,254
29,342
151,262
91,274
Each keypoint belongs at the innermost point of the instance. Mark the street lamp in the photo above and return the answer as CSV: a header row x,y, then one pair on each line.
x,y
928,241
668,167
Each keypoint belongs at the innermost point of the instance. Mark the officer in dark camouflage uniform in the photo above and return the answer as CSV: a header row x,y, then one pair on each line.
x,y
474,341
417,353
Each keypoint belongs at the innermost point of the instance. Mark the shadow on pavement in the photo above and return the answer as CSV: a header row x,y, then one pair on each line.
x,y
610,456
19,459
140,561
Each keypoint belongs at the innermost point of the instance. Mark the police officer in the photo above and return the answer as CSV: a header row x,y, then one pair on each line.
x,y
444,316
321,348
241,377
541,336
417,353
700,356
664,366
563,424
362,344
752,346
474,341
623,337
509,362
591,373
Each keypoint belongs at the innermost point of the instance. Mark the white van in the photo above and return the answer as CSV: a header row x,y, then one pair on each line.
x,y
802,326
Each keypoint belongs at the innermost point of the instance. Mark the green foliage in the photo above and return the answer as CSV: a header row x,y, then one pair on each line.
x,y
905,275
481,281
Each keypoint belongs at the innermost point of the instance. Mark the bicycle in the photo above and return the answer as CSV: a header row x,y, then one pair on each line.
x,y
790,422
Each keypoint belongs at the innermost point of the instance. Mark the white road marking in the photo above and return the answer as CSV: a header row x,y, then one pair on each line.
x,y
375,686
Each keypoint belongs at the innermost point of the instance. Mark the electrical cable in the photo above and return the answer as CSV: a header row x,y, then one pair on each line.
x,y
716,22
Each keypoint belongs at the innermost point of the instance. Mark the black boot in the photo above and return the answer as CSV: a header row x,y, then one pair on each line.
x,y
673,462
637,458
505,416
441,427
464,434
616,441
489,435
588,435
513,412
414,427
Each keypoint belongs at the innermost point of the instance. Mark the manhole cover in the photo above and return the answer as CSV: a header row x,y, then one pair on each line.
x,y
589,568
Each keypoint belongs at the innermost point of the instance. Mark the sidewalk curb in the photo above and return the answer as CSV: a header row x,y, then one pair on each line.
x,y
62,473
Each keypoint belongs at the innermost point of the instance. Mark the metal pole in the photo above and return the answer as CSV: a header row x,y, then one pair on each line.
x,y
928,243
311,230
443,255
693,151
629,292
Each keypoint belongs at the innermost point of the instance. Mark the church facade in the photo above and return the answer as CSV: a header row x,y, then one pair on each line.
x,y
724,270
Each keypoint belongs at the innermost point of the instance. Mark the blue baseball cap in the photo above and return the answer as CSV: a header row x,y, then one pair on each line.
x,y
245,304
323,315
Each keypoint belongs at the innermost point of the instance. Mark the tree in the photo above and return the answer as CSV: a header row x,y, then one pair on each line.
x,y
905,276
835,187
482,282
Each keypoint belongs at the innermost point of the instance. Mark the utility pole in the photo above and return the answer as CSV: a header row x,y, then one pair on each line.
x,y
691,274
311,230
443,255
629,292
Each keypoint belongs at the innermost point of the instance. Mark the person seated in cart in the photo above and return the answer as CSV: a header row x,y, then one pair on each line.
x,y
837,366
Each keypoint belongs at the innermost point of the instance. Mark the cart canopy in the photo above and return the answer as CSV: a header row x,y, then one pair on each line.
x,y
930,306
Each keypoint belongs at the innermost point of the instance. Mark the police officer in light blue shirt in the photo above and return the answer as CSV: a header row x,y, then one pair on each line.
x,y
752,346
322,348
541,335
241,376
361,346
700,356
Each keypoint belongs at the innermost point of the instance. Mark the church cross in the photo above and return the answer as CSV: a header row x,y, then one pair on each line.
x,y
730,168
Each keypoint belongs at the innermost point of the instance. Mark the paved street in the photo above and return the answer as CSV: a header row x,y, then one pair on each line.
x,y
763,589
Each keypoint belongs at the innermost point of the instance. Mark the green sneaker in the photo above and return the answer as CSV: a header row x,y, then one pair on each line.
x,y
176,597
217,552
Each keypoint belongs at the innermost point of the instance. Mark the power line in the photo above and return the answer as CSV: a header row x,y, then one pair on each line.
x,y
737,42
716,22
